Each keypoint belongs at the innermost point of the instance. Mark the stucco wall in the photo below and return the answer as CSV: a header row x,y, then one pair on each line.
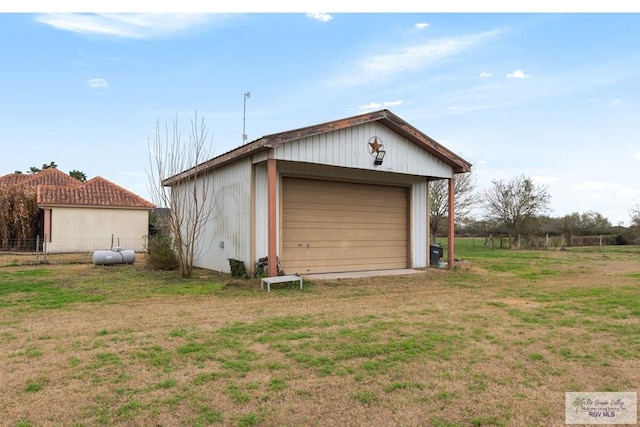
x,y
89,229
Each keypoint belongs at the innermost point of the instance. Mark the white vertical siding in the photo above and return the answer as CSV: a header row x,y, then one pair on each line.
x,y
228,232
419,224
349,148
428,236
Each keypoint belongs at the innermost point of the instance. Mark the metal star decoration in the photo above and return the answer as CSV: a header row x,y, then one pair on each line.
x,y
375,145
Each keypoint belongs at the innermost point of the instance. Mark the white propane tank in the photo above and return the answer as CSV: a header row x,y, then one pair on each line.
x,y
116,255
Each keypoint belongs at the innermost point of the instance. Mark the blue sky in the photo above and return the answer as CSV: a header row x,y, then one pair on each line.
x,y
553,96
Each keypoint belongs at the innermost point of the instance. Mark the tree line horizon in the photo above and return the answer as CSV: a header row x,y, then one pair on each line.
x,y
516,208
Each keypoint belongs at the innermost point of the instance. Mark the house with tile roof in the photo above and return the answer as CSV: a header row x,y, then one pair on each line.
x,y
77,216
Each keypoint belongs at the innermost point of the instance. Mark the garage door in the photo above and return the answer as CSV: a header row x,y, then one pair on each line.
x,y
332,226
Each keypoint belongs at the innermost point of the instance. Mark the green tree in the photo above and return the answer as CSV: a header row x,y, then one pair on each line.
x,y
33,170
585,224
515,203
79,175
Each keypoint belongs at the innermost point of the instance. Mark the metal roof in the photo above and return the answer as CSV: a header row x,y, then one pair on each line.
x,y
384,117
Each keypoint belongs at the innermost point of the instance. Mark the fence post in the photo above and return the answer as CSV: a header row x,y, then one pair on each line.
x,y
38,249
546,242
44,248
600,242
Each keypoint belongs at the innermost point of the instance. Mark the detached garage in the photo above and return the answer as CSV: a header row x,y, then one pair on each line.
x,y
347,195
333,226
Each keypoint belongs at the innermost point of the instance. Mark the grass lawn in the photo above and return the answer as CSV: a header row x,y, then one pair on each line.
x,y
495,342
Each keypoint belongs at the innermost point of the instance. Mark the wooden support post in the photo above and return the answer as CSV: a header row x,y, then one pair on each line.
x,y
272,176
451,232
47,225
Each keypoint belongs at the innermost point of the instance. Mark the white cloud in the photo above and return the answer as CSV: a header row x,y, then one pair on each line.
x,y
324,17
596,186
518,74
545,180
421,25
485,75
607,189
134,25
400,59
97,83
374,106
636,154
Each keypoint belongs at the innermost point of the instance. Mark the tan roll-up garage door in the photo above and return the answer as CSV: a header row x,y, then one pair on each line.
x,y
330,226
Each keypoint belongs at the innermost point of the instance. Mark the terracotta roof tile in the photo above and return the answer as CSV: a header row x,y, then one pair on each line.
x,y
54,187
51,176
95,192
13,179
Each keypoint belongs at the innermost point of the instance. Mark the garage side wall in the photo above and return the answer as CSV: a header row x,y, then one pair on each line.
x,y
227,234
419,224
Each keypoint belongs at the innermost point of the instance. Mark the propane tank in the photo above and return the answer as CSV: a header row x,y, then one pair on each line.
x,y
116,255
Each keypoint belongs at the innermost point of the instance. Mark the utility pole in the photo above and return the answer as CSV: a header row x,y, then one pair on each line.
x,y
244,118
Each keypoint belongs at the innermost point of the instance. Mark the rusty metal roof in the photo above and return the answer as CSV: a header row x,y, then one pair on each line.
x,y
384,117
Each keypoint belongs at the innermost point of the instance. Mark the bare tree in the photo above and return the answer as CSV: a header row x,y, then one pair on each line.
x,y
635,215
465,199
19,216
515,203
178,182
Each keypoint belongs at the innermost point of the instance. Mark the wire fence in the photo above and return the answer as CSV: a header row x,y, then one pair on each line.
x,y
535,242
67,251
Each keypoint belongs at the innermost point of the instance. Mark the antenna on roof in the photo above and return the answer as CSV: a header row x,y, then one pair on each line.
x,y
244,117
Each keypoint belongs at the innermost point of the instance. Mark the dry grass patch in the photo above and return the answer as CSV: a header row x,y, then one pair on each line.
x,y
496,342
